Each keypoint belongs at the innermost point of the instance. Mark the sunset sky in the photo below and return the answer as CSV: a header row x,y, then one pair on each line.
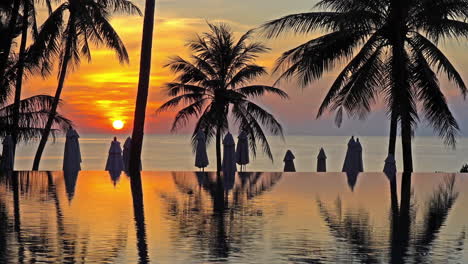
x,y
98,93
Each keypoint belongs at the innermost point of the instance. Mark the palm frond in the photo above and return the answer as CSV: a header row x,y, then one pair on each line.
x,y
434,102
438,60
46,46
189,73
246,74
183,116
175,89
369,48
302,23
359,93
260,90
310,60
34,113
121,6
188,98
109,36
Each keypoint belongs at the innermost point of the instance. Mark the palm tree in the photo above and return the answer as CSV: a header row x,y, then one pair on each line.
x,y
33,115
143,85
7,40
66,34
213,84
8,70
390,48
28,20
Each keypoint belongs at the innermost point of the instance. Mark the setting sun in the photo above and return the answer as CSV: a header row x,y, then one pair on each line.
x,y
118,124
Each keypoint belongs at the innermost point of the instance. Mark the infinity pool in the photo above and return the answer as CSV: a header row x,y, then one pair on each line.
x,y
187,217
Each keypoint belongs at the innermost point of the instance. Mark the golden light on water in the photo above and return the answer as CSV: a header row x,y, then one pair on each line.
x,y
118,124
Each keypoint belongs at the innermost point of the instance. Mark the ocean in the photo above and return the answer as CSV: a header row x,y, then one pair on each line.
x,y
174,153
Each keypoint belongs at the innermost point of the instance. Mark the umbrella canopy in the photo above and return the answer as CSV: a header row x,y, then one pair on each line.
x,y
390,167
289,162
350,164
72,153
201,158
115,160
229,156
360,162
7,154
321,161
242,150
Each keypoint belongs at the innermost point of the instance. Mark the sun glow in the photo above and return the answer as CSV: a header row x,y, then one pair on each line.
x,y
118,124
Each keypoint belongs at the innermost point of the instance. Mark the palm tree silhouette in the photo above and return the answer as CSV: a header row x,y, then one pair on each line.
x,y
33,115
28,21
390,48
213,84
66,34
143,87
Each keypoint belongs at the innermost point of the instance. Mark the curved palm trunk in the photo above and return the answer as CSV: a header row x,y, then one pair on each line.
x,y
58,92
11,29
19,75
143,86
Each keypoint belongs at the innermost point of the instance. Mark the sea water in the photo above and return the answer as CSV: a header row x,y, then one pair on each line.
x,y
174,152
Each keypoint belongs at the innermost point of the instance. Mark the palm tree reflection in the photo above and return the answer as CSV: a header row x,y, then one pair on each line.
x,y
410,240
59,241
139,215
215,214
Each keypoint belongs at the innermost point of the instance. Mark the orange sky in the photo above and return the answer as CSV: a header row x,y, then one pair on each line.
x,y
98,93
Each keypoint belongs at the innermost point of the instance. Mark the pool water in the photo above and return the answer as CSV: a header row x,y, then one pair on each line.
x,y
197,217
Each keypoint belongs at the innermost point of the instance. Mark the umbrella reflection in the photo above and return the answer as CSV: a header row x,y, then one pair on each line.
x,y
70,177
115,176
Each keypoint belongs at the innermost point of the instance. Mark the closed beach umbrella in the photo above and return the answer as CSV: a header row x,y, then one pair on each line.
x,y
321,161
242,150
390,167
201,158
350,164
115,160
7,154
360,162
289,162
229,156
72,153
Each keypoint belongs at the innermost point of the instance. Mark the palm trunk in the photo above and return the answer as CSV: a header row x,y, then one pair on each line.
x,y
218,149
11,29
393,133
58,92
143,86
400,79
19,75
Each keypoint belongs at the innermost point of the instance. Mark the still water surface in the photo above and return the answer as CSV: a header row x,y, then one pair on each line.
x,y
186,217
